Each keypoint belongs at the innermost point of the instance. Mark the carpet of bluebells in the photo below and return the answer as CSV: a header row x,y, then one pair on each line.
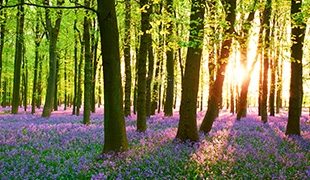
x,y
61,147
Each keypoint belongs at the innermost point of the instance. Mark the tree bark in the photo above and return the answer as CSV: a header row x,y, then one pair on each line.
x,y
144,44
127,59
214,102
18,56
187,128
149,78
296,85
53,32
115,138
265,25
87,68
168,108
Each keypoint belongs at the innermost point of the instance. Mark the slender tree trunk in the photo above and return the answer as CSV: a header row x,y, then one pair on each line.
x,y
18,56
149,79
87,68
279,87
159,102
156,84
25,80
39,86
53,37
99,87
265,25
144,44
94,52
75,94
187,128
136,83
79,79
168,108
214,100
127,57
296,86
260,84
242,101
115,138
2,33
66,82
272,88
4,95
56,84
232,99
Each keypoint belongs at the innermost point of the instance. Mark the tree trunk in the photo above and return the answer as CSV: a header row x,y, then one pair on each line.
x,y
260,84
144,44
94,52
149,79
159,61
127,59
66,82
265,25
56,84
25,80
272,88
39,98
296,86
168,108
214,102
2,33
187,128
18,56
242,99
53,33
115,138
79,79
279,87
75,94
87,68
4,95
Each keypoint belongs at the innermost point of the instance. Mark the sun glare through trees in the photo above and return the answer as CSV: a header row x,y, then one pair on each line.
x,y
154,89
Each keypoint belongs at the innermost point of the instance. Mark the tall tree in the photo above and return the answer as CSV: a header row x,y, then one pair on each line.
x,y
2,33
53,32
38,38
168,107
144,44
149,78
18,55
87,68
115,138
187,128
296,86
265,25
244,40
127,58
214,102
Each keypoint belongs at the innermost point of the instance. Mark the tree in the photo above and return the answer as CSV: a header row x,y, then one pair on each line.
x,y
217,88
53,32
296,86
187,128
38,39
87,68
127,58
265,25
243,41
18,56
143,50
115,138
170,64
2,33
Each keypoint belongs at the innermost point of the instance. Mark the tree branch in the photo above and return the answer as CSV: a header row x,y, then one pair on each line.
x,y
49,7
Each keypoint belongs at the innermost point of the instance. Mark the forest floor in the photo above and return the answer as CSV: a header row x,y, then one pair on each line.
x,y
61,147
